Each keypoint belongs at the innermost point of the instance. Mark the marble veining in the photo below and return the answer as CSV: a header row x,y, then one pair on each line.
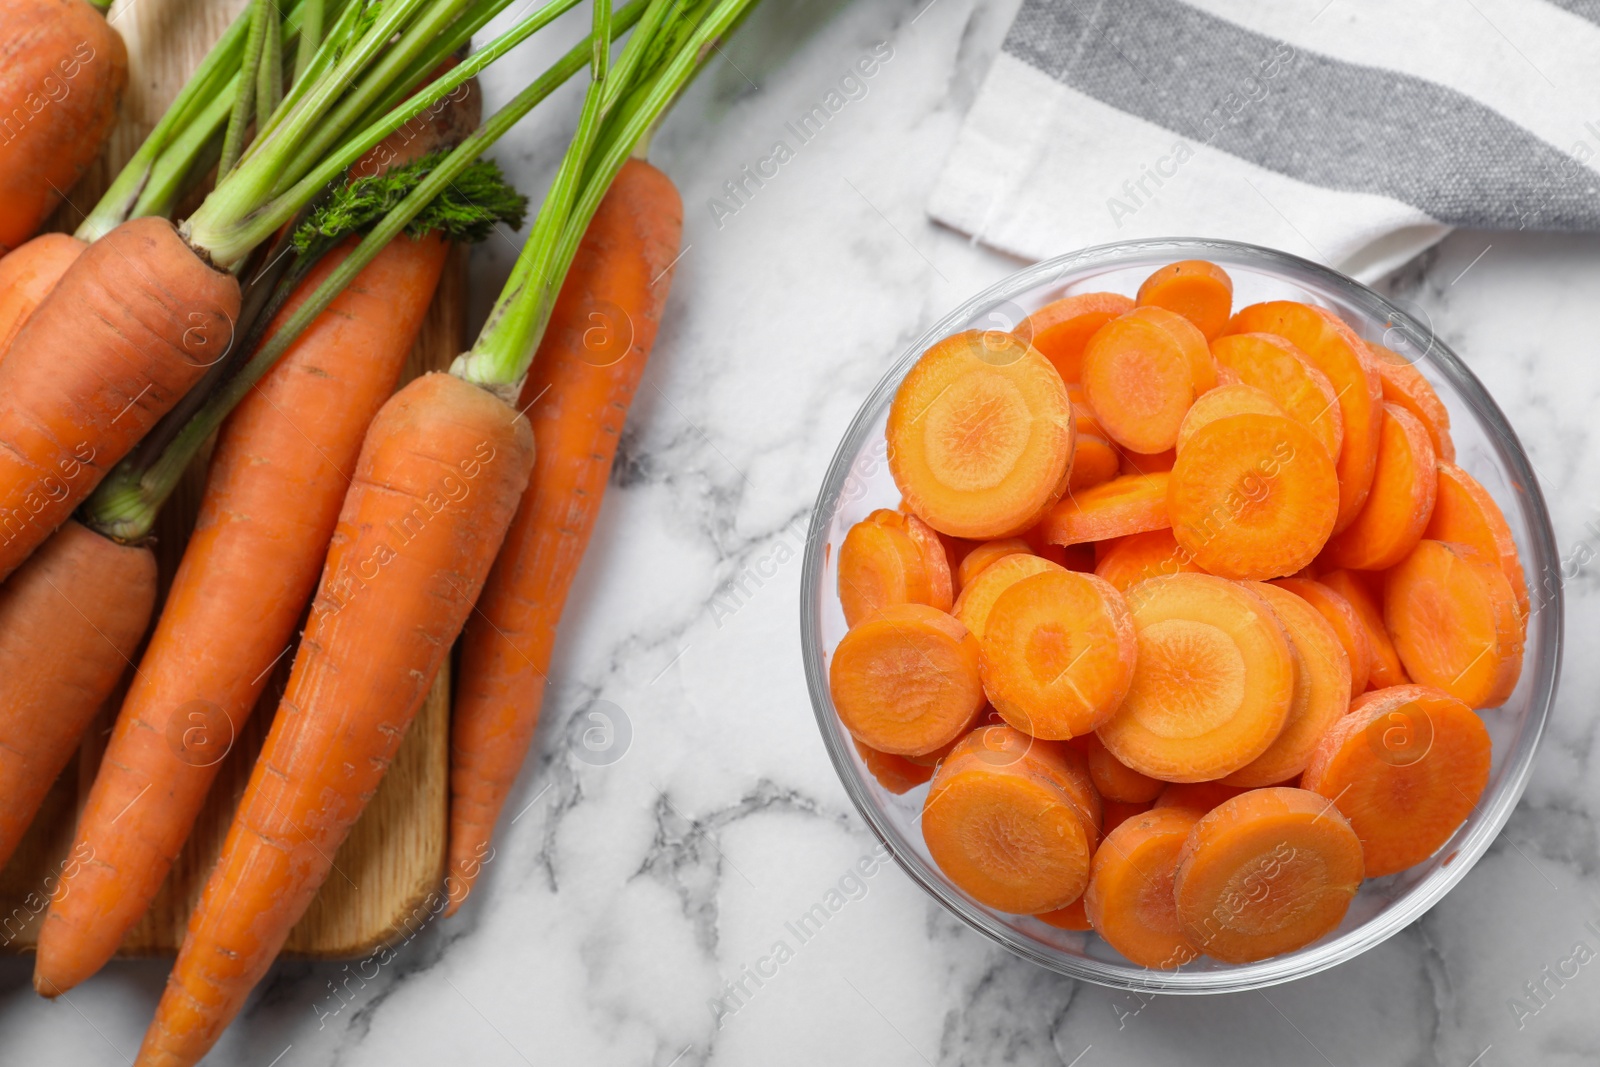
x,y
680,817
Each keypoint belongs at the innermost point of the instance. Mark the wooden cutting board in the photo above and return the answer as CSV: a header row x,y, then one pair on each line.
x,y
395,855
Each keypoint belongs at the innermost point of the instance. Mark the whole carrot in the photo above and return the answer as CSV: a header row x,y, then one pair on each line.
x,y
577,398
70,622
62,72
28,274
246,574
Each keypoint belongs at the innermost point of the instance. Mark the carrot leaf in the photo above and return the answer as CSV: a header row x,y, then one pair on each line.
x,y
466,210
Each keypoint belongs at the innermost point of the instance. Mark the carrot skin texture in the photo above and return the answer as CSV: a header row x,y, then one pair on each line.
x,y
70,621
508,642
63,68
440,474
27,274
247,572
128,329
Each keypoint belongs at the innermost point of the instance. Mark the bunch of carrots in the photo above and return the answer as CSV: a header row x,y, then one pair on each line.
x,y
340,141
1187,613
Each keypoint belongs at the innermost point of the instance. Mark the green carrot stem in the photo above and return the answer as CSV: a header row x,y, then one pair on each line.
x,y
244,97
310,37
269,75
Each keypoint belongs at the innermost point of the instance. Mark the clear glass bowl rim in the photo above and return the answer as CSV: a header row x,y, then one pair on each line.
x,y
1544,671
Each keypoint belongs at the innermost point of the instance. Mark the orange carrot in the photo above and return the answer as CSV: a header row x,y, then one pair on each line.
x,y
1141,372
1129,462
1212,685
1130,898
1404,386
1118,782
906,680
980,436
1132,559
247,572
1406,766
1267,872
1094,460
1398,507
880,565
1200,291
1198,797
1347,625
1465,513
96,365
978,596
1071,917
1282,371
1061,329
1117,812
71,619
1057,653
895,773
1455,622
935,561
1253,497
63,72
1235,399
1133,503
982,555
28,274
1385,669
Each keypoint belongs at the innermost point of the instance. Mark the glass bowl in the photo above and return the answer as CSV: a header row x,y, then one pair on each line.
x,y
858,481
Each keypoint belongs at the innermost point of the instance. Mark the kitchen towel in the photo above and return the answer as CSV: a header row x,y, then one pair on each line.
x,y
1352,132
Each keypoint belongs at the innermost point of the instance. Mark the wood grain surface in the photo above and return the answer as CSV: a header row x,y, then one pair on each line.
x,y
395,855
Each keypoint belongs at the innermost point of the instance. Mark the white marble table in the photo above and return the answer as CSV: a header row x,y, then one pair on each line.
x,y
626,894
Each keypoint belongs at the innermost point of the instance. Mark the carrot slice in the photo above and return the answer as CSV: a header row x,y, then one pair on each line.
x,y
1130,504
1465,513
1405,386
1116,781
1321,690
935,561
1116,812
1200,291
1001,826
1094,461
1141,372
1058,651
1279,369
1332,348
1267,872
1130,900
1198,797
1405,767
977,598
1146,462
1454,619
1132,559
895,773
906,681
1385,668
1347,625
1400,503
1219,403
1071,917
1062,762
985,553
980,435
1213,681
1062,328
879,565
1253,496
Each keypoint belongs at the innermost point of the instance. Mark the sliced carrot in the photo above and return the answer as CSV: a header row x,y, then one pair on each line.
x,y
1219,403
1253,496
1267,872
1071,917
895,773
1058,653
1116,812
1384,668
976,561
1330,346
1130,900
1116,781
1198,797
1062,762
1406,767
1212,685
1141,372
1405,386
1002,827
1083,416
1347,625
1400,503
906,681
1146,462
1062,328
1465,513
1454,619
978,596
1279,369
1094,461
980,435
1132,559
1200,291
935,561
879,565
1130,504
1321,690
